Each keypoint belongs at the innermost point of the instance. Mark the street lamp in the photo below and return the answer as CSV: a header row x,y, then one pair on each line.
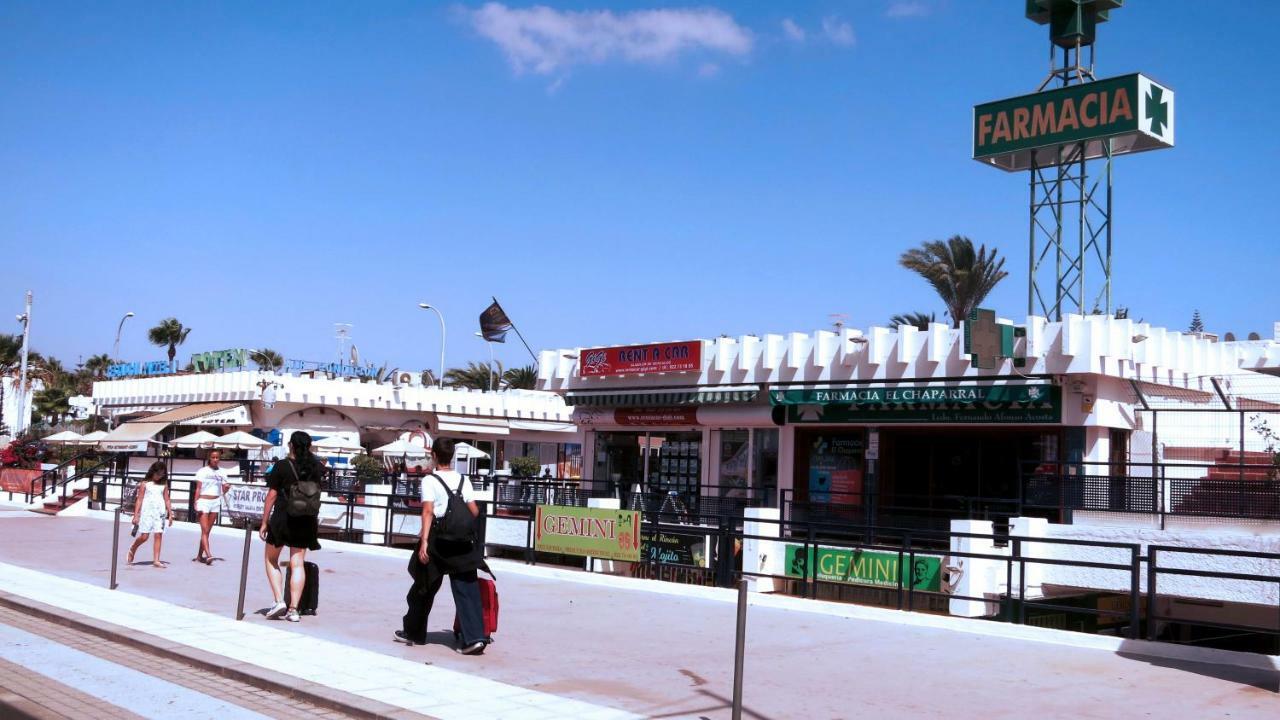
x,y
25,319
425,306
493,373
115,349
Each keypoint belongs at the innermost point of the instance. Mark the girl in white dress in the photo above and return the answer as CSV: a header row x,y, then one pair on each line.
x,y
151,510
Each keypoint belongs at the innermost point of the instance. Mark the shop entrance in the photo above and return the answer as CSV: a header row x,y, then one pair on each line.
x,y
933,466
650,462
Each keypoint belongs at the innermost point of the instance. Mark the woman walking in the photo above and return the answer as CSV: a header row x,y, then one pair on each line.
x,y
292,519
211,485
151,510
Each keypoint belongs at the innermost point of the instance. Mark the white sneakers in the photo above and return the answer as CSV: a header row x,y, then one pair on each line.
x,y
292,616
275,611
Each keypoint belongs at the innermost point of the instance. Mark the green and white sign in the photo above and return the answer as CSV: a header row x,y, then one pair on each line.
x,y
1035,403
863,567
1131,113
588,532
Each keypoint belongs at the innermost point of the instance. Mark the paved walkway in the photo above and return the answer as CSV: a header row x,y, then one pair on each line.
x,y
576,645
48,670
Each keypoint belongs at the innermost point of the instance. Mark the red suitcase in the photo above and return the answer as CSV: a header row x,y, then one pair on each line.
x,y
489,608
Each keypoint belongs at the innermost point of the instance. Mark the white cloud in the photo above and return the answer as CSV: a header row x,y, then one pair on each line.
x,y
544,41
907,9
838,31
792,30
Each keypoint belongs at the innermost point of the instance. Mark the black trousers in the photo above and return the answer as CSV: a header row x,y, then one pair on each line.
x,y
422,596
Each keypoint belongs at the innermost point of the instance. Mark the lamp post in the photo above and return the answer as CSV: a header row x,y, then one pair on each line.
x,y
115,349
493,373
25,319
425,306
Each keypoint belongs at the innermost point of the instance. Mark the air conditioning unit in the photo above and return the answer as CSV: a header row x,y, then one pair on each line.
x,y
404,378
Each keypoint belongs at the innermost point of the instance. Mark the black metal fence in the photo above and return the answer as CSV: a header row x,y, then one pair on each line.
x,y
707,549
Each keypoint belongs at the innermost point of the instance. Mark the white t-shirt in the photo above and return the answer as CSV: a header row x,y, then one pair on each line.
x,y
211,481
434,492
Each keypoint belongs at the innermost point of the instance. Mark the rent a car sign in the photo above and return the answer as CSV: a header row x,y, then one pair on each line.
x,y
640,359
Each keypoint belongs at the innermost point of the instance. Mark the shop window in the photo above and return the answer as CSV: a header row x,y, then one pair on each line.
x,y
735,460
764,464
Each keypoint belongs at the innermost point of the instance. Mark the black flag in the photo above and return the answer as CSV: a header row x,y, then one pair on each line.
x,y
494,323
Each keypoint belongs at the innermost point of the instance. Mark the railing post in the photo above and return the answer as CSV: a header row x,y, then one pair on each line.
x,y
739,649
1015,550
1135,591
244,567
1151,592
911,585
115,547
811,559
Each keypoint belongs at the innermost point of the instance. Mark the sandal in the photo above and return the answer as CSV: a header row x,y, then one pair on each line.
x,y
128,559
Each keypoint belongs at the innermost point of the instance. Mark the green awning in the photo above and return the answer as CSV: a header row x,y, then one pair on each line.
x,y
662,398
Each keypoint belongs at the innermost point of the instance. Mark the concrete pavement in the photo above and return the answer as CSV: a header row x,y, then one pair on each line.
x,y
623,648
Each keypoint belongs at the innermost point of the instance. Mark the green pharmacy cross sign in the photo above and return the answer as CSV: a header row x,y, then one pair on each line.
x,y
1130,114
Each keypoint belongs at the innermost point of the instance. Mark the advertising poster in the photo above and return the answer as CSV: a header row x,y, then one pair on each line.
x,y
863,567
588,532
665,548
835,469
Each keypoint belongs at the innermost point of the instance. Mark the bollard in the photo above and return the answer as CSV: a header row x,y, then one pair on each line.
x,y
244,568
115,546
739,649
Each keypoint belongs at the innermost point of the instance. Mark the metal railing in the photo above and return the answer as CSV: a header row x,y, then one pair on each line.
x,y
708,551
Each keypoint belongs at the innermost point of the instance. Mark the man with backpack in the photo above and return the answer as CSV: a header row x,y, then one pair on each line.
x,y
447,545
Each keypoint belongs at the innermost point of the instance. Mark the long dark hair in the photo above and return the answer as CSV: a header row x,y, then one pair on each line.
x,y
157,469
305,461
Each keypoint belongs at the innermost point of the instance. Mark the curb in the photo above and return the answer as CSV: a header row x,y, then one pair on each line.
x,y
253,675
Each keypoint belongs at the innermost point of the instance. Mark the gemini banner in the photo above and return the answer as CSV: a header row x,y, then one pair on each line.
x,y
588,532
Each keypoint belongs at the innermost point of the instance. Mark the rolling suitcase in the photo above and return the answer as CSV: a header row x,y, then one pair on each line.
x,y
310,599
488,607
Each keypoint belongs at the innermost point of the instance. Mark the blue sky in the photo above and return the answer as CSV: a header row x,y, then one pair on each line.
x,y
665,171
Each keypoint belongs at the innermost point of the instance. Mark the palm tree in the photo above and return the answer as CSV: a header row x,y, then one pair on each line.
x,y
269,360
52,404
918,320
962,277
97,366
169,332
521,378
477,376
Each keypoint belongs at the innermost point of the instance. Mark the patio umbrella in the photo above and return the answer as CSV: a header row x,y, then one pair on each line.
x,y
401,448
240,439
92,438
463,450
336,445
199,438
66,437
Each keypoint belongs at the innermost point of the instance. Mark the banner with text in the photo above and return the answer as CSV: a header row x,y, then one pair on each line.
x,y
588,532
863,567
638,359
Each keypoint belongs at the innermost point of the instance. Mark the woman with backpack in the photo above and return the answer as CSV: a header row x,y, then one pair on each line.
x,y
291,517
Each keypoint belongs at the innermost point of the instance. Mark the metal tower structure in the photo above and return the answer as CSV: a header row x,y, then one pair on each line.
x,y
1069,259
1066,136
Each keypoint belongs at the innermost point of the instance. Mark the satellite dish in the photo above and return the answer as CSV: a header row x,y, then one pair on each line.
x,y
355,355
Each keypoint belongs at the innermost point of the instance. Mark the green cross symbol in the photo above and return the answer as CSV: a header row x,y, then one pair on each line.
x,y
1157,109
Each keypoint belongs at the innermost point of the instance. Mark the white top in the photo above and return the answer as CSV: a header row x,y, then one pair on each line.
x,y
433,492
211,481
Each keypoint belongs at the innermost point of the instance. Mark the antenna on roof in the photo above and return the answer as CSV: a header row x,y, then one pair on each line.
x,y
342,333
839,320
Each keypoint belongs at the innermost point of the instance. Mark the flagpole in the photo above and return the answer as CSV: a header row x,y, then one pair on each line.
x,y
513,327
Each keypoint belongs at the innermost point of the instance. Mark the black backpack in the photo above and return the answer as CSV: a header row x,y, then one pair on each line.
x,y
458,524
302,497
